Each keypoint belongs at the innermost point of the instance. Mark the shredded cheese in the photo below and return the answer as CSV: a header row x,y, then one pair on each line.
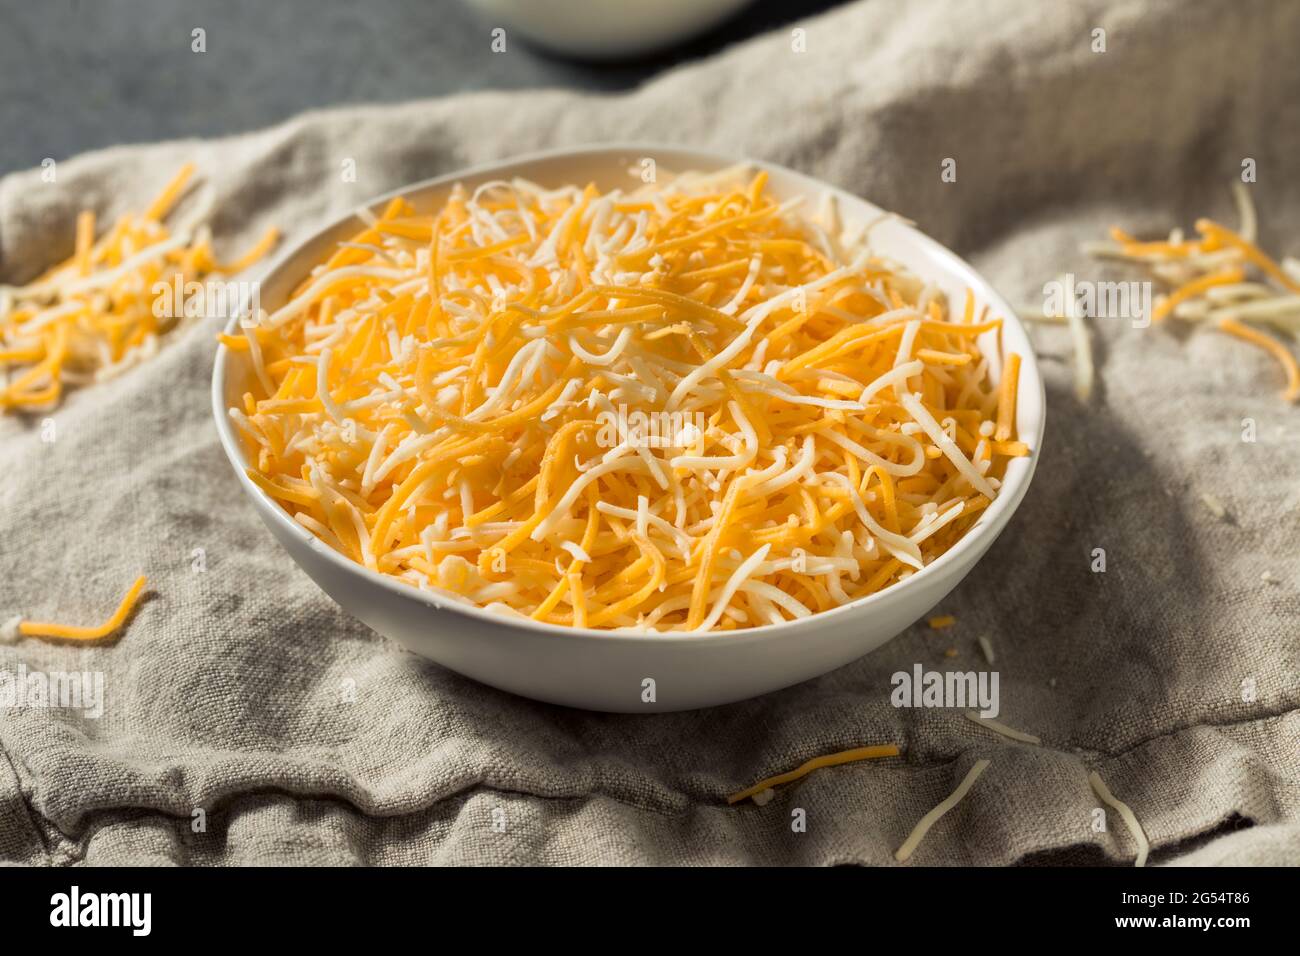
x,y
1001,728
9,630
1210,281
75,633
904,852
669,409
101,311
1274,348
1084,369
1007,399
1125,813
1214,505
942,621
817,763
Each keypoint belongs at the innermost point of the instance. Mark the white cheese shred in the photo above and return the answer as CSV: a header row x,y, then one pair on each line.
x,y
1000,728
1130,819
918,833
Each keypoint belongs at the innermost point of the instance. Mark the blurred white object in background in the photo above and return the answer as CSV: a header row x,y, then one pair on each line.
x,y
602,29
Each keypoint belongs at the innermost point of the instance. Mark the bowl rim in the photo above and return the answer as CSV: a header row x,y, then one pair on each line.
x,y
990,523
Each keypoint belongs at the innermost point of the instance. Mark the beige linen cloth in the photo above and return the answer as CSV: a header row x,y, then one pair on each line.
x,y
302,737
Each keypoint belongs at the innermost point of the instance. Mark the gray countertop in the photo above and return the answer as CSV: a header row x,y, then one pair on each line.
x,y
82,74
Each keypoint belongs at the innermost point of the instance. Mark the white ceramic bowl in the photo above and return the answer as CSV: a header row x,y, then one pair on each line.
x,y
600,670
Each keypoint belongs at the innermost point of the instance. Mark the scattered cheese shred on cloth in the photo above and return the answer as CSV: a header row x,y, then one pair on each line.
x,y
1208,280
308,739
816,763
74,632
103,310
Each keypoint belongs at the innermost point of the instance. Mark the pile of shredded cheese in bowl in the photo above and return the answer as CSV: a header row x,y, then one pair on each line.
x,y
683,407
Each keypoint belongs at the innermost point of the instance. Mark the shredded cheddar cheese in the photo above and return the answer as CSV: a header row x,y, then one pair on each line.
x,y
72,632
685,407
1211,279
101,311
1274,348
826,760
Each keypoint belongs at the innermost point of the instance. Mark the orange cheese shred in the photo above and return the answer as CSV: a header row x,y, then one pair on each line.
x,y
1006,423
1218,236
1274,348
1195,287
840,758
75,633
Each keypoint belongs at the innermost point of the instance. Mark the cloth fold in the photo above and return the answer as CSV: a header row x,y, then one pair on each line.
x,y
248,720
